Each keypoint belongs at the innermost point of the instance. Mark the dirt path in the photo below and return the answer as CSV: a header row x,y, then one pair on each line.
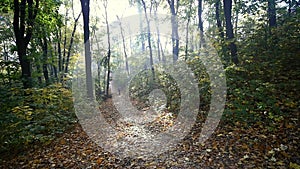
x,y
231,146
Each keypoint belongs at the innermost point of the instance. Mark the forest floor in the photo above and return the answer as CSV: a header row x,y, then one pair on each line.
x,y
233,145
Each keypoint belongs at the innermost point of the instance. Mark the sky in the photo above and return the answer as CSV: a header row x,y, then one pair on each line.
x,y
115,7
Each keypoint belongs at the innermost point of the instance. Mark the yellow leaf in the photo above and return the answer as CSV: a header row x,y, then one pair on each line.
x,y
294,166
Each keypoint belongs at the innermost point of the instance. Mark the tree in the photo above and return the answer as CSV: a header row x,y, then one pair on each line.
x,y
58,44
140,10
149,38
229,31
46,22
175,38
25,13
124,45
200,23
189,14
218,19
272,13
85,5
109,47
44,44
159,48
72,39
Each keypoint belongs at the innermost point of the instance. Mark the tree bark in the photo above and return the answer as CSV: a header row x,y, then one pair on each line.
x,y
64,45
272,13
175,38
149,39
236,3
71,43
141,27
124,45
229,30
23,35
200,24
109,50
85,4
157,31
218,18
44,44
187,30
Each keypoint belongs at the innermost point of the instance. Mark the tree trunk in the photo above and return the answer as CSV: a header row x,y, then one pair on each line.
x,y
58,36
141,26
109,50
220,31
23,35
39,71
272,13
236,3
229,30
218,18
175,38
45,58
149,39
158,33
187,30
200,24
54,64
163,57
64,45
124,45
71,43
85,4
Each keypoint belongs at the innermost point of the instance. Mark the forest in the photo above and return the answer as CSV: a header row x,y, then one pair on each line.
x,y
150,84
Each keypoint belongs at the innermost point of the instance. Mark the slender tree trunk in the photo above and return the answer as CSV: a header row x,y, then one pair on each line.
x,y
192,43
54,63
220,31
163,57
236,2
149,39
200,24
39,71
187,30
44,44
141,27
5,55
58,49
130,40
158,39
229,30
124,45
157,31
109,50
218,18
65,44
99,75
58,36
71,43
85,4
175,38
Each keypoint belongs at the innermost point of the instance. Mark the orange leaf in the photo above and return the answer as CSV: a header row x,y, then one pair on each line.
x,y
100,160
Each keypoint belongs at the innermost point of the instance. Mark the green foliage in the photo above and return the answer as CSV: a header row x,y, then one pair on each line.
x,y
33,115
143,84
263,88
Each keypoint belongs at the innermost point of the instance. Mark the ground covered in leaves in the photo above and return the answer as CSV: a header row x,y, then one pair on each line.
x,y
233,145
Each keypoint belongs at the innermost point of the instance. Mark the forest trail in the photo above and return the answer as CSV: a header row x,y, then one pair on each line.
x,y
231,146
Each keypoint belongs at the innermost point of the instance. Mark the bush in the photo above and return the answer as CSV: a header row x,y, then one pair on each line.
x,y
33,115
